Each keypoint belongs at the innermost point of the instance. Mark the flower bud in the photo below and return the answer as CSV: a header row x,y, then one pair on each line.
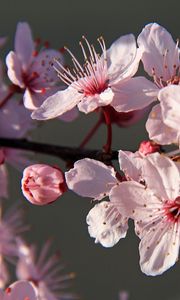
x,y
42,184
148,147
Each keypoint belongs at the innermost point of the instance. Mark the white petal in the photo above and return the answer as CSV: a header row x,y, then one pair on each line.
x,y
122,58
159,248
24,44
14,69
133,94
131,164
90,103
158,130
57,104
170,105
21,290
162,176
106,225
155,42
91,178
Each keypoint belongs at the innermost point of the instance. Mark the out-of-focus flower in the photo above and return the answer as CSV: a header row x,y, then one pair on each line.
x,y
123,295
101,81
42,184
31,70
11,226
19,290
45,272
155,208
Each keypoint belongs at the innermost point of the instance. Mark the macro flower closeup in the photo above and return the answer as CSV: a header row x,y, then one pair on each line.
x,y
155,209
102,80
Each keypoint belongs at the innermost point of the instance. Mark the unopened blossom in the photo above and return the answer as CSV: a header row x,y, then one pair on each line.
x,y
11,226
155,208
102,80
19,290
106,224
160,57
44,271
163,122
30,69
42,184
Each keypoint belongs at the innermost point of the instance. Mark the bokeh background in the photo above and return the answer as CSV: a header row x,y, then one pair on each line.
x,y
101,272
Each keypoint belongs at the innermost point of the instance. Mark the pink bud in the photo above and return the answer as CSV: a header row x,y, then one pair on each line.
x,y
42,184
147,147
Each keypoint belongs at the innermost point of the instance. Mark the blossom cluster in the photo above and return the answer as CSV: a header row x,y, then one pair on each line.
x,y
146,188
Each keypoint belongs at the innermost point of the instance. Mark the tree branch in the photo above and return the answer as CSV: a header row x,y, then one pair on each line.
x,y
65,153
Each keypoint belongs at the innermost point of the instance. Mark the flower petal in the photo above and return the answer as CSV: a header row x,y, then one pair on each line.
x,y
131,164
159,50
161,176
106,225
170,106
133,94
24,46
91,178
90,103
122,58
159,248
14,69
57,104
158,131
21,290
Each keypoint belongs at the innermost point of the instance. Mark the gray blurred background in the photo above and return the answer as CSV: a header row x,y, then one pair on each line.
x,y
101,272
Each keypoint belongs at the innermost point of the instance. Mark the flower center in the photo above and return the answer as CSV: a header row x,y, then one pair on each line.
x,y
90,78
172,210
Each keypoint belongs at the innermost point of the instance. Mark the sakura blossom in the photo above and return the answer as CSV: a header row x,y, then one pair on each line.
x,y
162,124
154,207
31,70
160,57
101,81
42,184
19,290
44,271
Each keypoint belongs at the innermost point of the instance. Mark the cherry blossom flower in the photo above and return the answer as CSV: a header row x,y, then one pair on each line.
x,y
101,81
123,295
44,272
162,124
91,178
155,208
11,225
160,56
42,184
19,290
31,70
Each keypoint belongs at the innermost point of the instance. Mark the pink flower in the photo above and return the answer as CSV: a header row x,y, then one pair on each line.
x,y
163,123
44,272
101,81
42,184
91,178
31,70
160,56
19,290
155,208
